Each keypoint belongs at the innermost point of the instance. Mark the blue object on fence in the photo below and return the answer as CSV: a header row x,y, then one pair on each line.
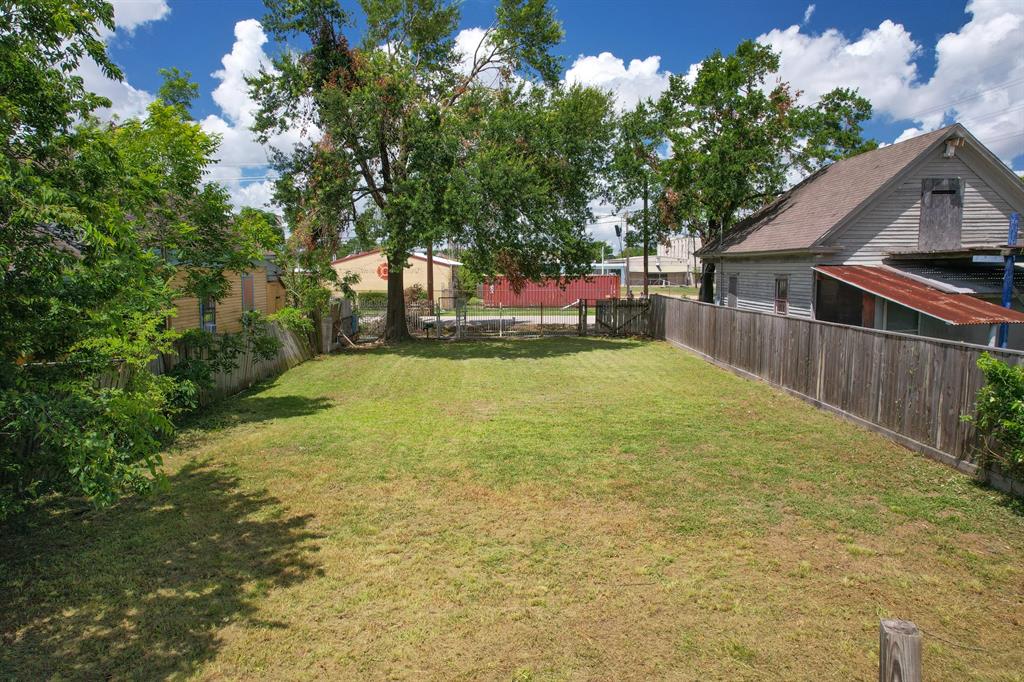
x,y
1009,264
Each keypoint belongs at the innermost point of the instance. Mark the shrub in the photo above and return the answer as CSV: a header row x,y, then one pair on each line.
x,y
1000,415
294,320
373,299
415,293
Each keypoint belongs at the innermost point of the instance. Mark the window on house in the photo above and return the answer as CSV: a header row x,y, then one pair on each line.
x,y
941,214
208,316
248,293
733,288
782,294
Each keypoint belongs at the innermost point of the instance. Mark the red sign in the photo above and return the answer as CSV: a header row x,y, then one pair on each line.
x,y
382,270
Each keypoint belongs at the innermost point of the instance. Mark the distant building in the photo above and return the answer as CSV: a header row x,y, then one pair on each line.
x,y
372,268
673,265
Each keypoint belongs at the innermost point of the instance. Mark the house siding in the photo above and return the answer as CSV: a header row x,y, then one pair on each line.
x,y
892,223
229,309
275,296
755,284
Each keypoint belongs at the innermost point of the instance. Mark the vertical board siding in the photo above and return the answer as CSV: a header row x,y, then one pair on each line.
x,y
915,387
892,223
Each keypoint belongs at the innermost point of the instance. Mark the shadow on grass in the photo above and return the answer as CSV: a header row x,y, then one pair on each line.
x,y
1004,499
507,349
252,407
142,589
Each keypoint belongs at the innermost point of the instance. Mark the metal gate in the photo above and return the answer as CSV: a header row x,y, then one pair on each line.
x,y
461,317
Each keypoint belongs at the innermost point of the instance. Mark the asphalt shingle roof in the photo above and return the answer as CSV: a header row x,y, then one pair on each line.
x,y
805,213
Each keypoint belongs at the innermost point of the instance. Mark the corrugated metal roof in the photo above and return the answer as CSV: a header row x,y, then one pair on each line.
x,y
956,309
980,279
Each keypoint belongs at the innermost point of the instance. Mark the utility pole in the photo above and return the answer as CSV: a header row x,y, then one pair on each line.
x,y
1008,269
646,235
430,274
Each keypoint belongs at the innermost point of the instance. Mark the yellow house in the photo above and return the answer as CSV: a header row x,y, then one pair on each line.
x,y
248,291
372,268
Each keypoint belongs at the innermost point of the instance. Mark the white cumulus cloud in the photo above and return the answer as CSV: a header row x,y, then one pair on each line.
x,y
130,14
809,12
126,101
978,78
641,79
240,154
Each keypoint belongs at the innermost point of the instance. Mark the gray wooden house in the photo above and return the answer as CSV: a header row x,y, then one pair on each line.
x,y
909,238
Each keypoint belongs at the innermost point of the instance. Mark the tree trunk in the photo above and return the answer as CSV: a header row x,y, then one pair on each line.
x,y
707,282
396,329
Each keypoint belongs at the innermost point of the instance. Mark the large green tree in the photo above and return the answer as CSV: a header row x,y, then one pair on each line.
x,y
83,305
635,175
736,143
485,150
170,209
94,219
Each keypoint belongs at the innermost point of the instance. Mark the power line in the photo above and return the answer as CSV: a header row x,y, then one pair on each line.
x,y
948,105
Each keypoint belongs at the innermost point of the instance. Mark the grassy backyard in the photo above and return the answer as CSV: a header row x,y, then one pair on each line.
x,y
678,292
548,509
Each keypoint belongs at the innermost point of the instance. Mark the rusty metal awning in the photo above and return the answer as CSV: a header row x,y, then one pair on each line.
x,y
952,308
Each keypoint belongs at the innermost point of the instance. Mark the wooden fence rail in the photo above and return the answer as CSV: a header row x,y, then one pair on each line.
x,y
913,389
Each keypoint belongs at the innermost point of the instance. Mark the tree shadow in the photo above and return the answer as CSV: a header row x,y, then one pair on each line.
x,y
251,407
1014,503
507,349
143,588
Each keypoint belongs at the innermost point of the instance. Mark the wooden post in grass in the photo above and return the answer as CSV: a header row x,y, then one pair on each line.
x,y
899,651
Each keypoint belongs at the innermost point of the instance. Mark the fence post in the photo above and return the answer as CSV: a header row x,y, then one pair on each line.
x,y
899,651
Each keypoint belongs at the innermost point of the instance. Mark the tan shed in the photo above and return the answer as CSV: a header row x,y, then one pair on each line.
x,y
372,268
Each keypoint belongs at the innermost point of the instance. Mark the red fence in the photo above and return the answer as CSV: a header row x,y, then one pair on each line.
x,y
552,292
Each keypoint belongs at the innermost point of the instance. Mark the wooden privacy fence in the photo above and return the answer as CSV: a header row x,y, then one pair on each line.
x,y
622,317
247,372
911,388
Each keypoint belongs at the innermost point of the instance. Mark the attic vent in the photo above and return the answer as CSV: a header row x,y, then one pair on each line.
x,y
941,214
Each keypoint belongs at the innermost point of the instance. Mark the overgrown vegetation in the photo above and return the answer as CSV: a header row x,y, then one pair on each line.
x,y
102,225
1000,415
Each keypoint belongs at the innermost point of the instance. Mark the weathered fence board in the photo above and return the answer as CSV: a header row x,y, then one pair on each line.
x,y
247,372
622,317
914,388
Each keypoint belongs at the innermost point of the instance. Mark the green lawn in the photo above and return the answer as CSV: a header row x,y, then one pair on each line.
x,y
547,509
678,292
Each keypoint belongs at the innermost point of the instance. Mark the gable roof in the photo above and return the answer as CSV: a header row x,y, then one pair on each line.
x,y
810,210
438,260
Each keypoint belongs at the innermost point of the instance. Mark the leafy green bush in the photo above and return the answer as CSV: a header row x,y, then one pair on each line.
x,y
1000,415
372,299
293,320
202,355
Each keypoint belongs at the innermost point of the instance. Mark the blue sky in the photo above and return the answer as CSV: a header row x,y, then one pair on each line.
x,y
921,63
